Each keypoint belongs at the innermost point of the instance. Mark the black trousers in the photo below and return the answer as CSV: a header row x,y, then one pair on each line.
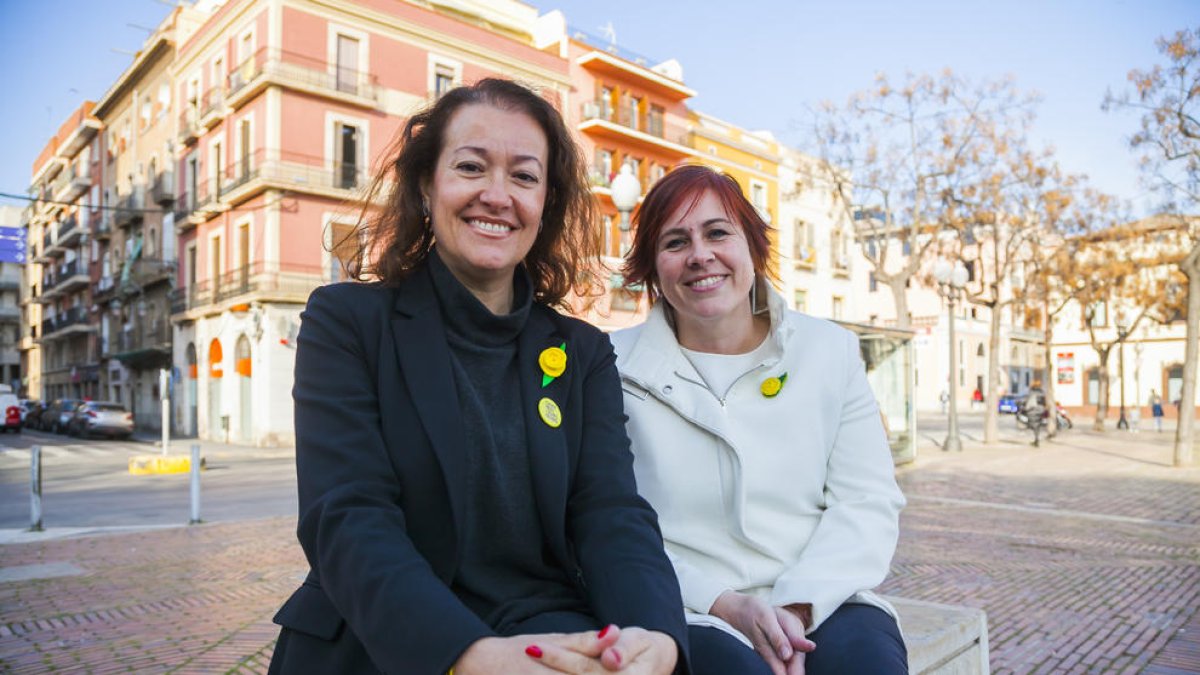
x,y
854,639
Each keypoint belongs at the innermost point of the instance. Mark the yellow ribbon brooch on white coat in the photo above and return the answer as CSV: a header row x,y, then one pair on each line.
x,y
772,385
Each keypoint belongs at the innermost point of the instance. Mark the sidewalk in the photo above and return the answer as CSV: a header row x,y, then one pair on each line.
x,y
1085,554
218,450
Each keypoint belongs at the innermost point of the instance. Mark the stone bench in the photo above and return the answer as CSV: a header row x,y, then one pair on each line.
x,y
943,639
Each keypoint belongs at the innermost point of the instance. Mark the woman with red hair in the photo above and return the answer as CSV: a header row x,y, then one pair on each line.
x,y
757,439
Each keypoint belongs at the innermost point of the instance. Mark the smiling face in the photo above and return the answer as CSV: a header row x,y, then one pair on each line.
x,y
486,194
704,267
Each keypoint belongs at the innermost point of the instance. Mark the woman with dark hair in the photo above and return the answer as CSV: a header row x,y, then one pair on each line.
x,y
467,500
757,439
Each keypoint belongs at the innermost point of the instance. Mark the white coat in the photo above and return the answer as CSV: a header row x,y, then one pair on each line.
x,y
793,498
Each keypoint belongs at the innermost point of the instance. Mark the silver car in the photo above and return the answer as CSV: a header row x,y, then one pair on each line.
x,y
95,418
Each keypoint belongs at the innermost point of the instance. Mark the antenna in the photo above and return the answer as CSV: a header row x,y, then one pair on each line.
x,y
610,33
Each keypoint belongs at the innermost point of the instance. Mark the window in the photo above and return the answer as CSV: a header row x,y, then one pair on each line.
x,y
190,270
343,247
803,250
800,300
1174,382
1096,315
443,80
347,64
444,74
635,113
244,143
1093,386
657,171
604,166
838,303
216,262
606,102
217,172
655,124
872,282
346,156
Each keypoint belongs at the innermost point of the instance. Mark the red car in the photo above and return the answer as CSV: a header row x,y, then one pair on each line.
x,y
12,418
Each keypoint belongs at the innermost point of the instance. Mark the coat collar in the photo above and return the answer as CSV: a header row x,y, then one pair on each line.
x,y
424,356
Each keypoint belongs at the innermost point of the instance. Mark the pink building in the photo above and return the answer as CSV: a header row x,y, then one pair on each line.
x,y
283,112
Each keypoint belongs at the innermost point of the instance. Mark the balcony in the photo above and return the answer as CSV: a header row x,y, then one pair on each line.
x,y
65,278
146,272
189,125
651,131
212,107
163,189
70,232
104,226
10,314
256,281
72,184
293,172
104,290
143,345
301,73
74,321
128,211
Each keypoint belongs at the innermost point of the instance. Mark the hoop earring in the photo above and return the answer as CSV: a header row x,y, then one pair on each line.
x,y
754,306
425,210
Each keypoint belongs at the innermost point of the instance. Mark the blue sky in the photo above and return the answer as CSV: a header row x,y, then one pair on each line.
x,y
760,67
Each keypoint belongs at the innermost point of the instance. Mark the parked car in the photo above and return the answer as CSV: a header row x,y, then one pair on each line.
x,y
101,418
57,414
1011,403
10,408
31,410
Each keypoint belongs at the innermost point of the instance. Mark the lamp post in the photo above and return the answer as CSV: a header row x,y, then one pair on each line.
x,y
1122,332
626,191
951,279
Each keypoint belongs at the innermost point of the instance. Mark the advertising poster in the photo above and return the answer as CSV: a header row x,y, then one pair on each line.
x,y
1066,367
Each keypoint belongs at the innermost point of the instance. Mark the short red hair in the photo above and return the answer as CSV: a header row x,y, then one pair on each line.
x,y
685,185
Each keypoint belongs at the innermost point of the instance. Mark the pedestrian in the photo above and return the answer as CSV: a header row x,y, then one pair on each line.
x,y
467,496
944,397
1156,409
976,398
758,440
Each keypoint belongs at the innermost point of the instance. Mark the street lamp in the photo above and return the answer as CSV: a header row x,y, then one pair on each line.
x,y
1122,332
626,191
951,279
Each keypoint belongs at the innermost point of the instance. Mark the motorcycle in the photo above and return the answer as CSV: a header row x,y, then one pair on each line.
x,y
1061,419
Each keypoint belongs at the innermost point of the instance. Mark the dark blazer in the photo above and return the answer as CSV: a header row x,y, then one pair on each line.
x,y
381,465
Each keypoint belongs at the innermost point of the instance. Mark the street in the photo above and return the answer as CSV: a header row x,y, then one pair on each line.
x,y
86,483
1085,553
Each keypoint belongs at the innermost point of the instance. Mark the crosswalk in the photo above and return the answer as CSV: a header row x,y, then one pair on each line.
x,y
60,449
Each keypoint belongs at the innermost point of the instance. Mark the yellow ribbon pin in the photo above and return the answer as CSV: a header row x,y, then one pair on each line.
x,y
773,385
553,362
549,412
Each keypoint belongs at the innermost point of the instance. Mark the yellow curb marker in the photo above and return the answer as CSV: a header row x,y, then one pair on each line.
x,y
150,465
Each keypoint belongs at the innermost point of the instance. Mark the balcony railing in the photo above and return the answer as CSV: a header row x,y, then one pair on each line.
x,y
651,124
128,211
255,278
301,72
60,277
104,289
76,316
189,125
104,225
154,336
163,189
146,271
212,104
290,170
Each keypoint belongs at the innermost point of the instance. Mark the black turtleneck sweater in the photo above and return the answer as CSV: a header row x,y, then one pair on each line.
x,y
507,573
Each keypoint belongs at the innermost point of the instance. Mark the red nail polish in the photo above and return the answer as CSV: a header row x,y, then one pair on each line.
x,y
604,631
534,651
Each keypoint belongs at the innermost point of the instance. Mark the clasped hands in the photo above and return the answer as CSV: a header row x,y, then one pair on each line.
x,y
777,633
632,650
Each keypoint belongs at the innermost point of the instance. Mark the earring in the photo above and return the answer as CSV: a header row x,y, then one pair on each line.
x,y
754,306
425,210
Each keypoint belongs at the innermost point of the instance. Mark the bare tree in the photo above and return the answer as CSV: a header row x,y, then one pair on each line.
x,y
1168,96
891,155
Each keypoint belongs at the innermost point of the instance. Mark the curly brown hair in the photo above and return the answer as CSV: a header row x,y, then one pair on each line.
x,y
396,238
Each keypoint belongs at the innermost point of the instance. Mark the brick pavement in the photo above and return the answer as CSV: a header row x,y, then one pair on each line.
x,y
1085,554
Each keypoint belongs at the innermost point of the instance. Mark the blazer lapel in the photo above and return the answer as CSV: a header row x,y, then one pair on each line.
x,y
424,357
548,462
